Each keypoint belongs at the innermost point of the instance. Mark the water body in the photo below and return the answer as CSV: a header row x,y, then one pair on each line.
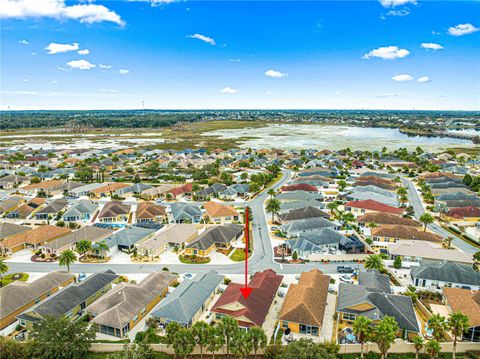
x,y
298,136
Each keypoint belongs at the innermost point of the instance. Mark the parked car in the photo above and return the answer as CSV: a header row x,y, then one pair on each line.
x,y
345,269
346,279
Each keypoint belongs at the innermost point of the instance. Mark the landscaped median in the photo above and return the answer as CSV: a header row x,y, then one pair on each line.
x,y
193,259
22,277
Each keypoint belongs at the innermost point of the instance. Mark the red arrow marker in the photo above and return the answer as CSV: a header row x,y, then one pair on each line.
x,y
246,290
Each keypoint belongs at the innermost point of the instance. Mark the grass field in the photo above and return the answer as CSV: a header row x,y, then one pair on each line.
x,y
12,278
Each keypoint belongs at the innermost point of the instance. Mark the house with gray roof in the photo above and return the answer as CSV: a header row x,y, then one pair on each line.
x,y
10,203
211,191
135,188
295,228
182,212
10,229
361,196
84,190
235,190
435,276
123,307
299,196
286,207
71,301
323,240
125,240
302,213
51,210
189,300
373,298
83,210
92,234
214,237
19,296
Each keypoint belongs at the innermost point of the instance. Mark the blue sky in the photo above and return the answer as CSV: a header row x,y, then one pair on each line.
x,y
240,54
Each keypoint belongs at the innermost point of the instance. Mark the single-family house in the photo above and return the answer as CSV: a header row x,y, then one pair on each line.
x,y
71,301
359,208
295,228
185,213
148,212
220,213
304,307
467,302
170,237
253,310
302,213
82,211
213,238
394,233
435,276
125,239
115,213
189,300
124,306
51,210
26,209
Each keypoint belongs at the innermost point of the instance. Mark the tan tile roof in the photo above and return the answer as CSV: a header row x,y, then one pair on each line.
x,y
149,210
387,218
404,232
113,209
466,301
305,302
43,185
110,187
36,235
215,210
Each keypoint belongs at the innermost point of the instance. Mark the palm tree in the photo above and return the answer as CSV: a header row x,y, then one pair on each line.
x,y
240,346
102,247
433,348
374,261
256,336
372,225
229,327
347,217
271,192
200,331
362,327
332,206
418,341
216,339
3,270
426,218
66,258
438,325
457,324
385,334
273,206
183,342
83,246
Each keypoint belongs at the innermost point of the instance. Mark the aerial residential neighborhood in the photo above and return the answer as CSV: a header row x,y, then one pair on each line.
x,y
239,179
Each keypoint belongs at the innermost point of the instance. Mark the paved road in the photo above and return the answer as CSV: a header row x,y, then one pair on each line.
x,y
416,202
261,259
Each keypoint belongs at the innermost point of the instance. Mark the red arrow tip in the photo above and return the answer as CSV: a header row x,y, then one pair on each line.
x,y
246,291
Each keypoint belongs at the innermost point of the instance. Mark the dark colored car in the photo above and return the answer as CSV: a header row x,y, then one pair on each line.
x,y
345,269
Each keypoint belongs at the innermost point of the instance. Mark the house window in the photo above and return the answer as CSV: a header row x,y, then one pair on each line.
x,y
349,316
285,324
135,318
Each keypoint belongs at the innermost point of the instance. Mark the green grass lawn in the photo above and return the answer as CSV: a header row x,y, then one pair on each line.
x,y
13,277
238,255
193,259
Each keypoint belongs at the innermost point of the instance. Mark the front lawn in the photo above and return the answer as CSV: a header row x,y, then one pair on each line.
x,y
23,277
239,255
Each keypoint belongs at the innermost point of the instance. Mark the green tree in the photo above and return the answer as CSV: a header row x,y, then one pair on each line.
x,y
3,269
426,218
152,169
341,185
272,206
271,192
66,258
476,260
374,261
216,339
12,349
438,325
362,327
457,323
139,350
433,348
170,332
258,339
240,346
183,342
332,206
201,333
229,327
418,342
61,338
295,255
397,263
385,333
83,246
102,247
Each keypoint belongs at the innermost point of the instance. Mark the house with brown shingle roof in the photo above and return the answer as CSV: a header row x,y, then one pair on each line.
x,y
32,238
467,302
358,208
251,311
463,214
108,189
386,218
26,209
304,306
114,212
148,212
50,187
387,233
220,213
18,296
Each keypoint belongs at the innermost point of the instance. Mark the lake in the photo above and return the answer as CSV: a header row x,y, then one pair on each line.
x,y
293,136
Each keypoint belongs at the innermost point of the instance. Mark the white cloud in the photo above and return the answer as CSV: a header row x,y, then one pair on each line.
x,y
386,95
81,64
424,79
229,90
103,66
431,46
25,80
275,74
83,52
23,42
402,78
387,53
124,71
462,29
54,82
57,9
203,38
394,3
109,90
234,60
54,48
